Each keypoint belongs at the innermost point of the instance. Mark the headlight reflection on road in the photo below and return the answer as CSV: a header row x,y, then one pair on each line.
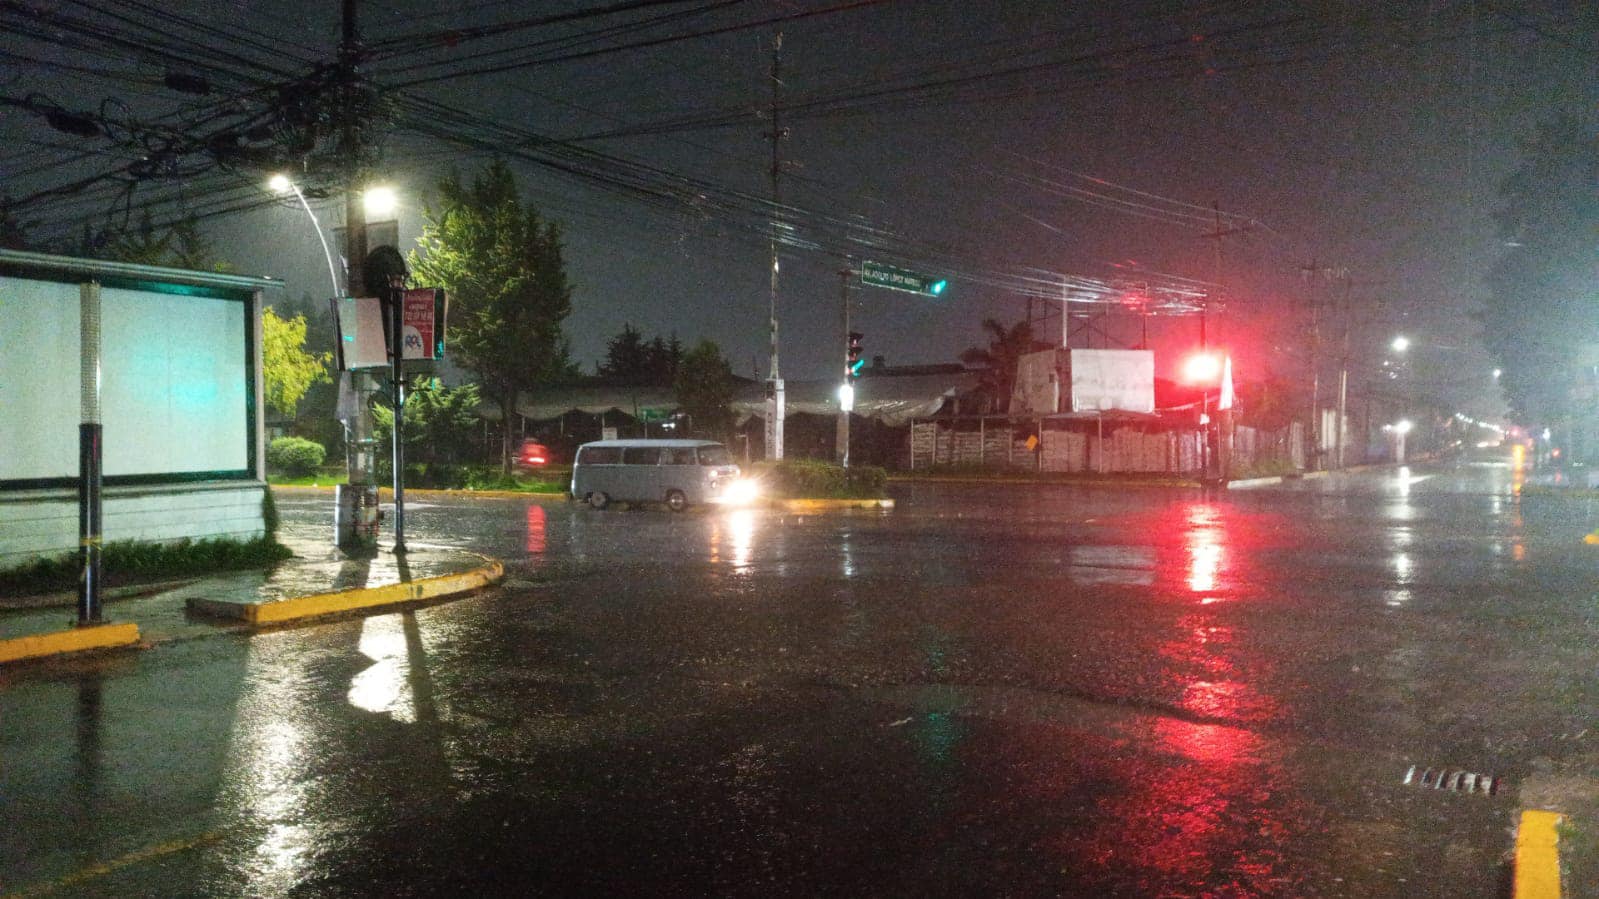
x,y
733,538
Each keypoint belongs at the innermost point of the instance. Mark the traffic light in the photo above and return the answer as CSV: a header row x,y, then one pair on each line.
x,y
1202,368
854,361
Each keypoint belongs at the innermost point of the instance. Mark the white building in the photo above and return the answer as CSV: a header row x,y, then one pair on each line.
x,y
180,399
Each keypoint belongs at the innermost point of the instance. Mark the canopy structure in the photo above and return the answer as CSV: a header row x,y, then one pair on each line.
x,y
644,403
890,399
893,400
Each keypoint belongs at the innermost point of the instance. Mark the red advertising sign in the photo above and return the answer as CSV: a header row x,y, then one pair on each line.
x,y
422,320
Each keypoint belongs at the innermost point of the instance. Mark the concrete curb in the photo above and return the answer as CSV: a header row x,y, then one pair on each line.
x,y
1537,855
1086,481
318,604
1254,482
77,639
824,505
429,491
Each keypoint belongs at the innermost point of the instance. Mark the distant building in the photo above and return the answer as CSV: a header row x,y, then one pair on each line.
x,y
180,398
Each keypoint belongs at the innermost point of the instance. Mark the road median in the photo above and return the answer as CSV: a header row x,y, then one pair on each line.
x,y
72,640
278,611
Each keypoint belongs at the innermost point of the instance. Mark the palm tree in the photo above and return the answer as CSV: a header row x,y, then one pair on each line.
x,y
997,363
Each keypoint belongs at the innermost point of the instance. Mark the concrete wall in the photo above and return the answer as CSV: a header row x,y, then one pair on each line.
x,y
37,523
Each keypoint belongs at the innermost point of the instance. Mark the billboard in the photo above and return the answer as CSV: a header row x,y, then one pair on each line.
x,y
1037,387
1113,379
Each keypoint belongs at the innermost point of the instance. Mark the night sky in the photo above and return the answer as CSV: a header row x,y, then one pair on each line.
x,y
1006,146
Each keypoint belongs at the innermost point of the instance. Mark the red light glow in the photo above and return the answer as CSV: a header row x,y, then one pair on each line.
x,y
1201,368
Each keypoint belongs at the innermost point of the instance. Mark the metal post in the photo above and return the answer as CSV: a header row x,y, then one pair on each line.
x,y
397,356
89,456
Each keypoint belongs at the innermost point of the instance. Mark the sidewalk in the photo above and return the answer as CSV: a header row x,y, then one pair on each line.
x,y
319,580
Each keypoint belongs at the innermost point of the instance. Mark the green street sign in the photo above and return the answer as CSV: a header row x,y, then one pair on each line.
x,y
879,275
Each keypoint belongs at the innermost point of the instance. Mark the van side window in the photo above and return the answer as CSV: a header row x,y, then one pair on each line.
x,y
600,455
680,455
641,455
715,455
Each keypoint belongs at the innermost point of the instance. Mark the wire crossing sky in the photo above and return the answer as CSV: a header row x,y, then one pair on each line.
x,y
1142,158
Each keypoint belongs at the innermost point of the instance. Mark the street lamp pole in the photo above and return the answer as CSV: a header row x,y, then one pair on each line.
x,y
282,184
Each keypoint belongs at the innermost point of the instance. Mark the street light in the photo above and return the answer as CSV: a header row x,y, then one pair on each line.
x,y
280,184
1401,343
379,202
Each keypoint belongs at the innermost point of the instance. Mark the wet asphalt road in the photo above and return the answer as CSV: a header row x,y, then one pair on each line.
x,y
1000,690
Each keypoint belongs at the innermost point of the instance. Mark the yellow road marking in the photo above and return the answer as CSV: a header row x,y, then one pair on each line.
x,y
1538,856
103,868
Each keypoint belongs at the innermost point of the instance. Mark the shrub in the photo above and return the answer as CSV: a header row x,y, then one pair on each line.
x,y
812,479
134,562
295,456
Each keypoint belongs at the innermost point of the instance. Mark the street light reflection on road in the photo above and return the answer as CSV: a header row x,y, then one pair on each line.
x,y
383,687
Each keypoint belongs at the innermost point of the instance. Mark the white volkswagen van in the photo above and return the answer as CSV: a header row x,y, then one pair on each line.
x,y
678,473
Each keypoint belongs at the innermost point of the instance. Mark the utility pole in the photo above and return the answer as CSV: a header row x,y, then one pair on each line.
x,y
356,505
1313,273
1343,374
774,382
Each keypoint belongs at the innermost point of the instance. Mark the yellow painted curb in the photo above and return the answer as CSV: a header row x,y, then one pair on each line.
x,y
1538,856
276,611
77,639
822,505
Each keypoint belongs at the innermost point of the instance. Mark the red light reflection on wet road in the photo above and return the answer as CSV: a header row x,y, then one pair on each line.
x,y
536,523
1204,537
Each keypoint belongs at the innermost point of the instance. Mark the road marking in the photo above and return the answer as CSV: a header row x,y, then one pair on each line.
x,y
1538,855
103,868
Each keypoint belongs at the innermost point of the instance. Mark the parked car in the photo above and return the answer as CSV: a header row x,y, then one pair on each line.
x,y
531,455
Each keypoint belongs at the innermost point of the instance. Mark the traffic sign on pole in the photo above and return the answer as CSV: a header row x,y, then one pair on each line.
x,y
877,274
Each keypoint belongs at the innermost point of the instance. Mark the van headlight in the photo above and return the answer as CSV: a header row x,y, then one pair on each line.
x,y
741,491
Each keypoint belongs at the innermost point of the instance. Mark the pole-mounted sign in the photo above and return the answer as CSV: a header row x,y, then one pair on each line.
x,y
877,274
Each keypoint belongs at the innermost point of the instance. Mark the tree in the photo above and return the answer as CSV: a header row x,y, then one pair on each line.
x,y
13,233
625,362
179,246
1006,347
440,423
288,370
705,389
509,294
1539,291
630,361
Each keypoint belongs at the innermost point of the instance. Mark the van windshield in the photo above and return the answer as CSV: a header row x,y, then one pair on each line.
x,y
715,455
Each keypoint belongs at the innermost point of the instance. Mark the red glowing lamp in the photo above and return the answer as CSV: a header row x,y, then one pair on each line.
x,y
1202,368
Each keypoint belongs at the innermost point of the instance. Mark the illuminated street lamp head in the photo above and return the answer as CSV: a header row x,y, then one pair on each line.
x,y
280,184
1401,343
380,202
1403,426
